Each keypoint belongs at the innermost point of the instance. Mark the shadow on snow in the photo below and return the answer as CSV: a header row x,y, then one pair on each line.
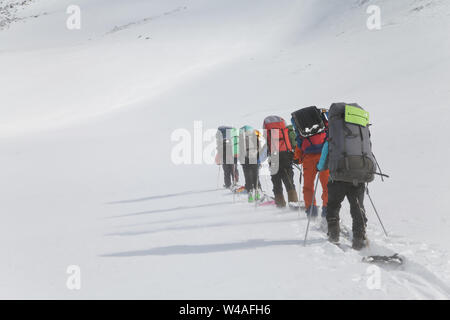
x,y
210,248
215,204
211,225
164,196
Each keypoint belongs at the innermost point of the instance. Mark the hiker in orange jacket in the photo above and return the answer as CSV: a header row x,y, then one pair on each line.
x,y
307,153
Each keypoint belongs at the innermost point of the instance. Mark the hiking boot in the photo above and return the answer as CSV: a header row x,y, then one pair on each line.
x,y
279,200
292,196
250,197
313,211
324,212
359,243
333,231
359,236
359,240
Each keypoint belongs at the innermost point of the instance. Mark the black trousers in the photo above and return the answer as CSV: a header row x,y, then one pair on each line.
x,y
337,191
251,172
284,175
230,174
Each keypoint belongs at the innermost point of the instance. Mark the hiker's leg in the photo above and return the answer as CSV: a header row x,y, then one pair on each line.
x,y
336,194
309,175
227,169
355,196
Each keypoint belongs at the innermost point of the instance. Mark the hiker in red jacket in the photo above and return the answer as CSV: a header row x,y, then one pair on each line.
x,y
307,153
280,155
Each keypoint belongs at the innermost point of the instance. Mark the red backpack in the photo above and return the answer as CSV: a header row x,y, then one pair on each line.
x,y
276,125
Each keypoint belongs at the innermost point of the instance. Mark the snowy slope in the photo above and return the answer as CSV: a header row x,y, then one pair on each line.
x,y
86,119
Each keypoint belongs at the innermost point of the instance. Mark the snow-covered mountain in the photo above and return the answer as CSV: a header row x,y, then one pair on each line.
x,y
85,145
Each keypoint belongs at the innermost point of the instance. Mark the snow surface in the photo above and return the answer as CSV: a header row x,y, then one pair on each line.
x,y
85,126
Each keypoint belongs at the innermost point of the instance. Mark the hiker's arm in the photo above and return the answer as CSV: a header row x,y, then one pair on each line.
x,y
321,166
298,155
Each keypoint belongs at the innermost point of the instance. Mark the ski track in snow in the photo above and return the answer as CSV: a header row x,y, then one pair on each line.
x,y
413,277
145,20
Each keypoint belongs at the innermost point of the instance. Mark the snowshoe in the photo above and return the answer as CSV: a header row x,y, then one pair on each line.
x,y
395,259
294,205
266,203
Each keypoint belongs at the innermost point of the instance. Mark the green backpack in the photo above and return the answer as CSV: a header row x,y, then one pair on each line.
x,y
292,136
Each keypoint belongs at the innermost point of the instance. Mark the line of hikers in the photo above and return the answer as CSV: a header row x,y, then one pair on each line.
x,y
332,146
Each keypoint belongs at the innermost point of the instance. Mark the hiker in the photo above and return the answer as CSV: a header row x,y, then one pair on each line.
x,y
250,147
279,151
348,155
310,125
227,140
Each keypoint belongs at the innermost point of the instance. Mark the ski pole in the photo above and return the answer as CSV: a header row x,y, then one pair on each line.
x,y
379,168
312,205
300,191
234,183
256,187
375,209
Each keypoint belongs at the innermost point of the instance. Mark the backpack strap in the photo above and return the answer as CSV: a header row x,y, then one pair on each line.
x,y
269,141
286,143
310,142
344,153
362,146
224,151
257,147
